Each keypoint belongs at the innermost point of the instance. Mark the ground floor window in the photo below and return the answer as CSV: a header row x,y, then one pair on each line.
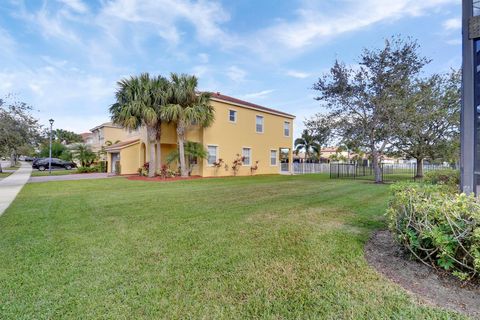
x,y
212,154
273,157
247,155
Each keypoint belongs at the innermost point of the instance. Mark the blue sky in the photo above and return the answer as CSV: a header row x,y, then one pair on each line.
x,y
64,56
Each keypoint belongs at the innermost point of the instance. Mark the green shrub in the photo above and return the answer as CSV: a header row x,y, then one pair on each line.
x,y
439,228
87,169
447,177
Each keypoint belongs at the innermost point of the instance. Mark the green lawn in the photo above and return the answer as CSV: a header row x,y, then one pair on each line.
x,y
58,172
4,174
270,247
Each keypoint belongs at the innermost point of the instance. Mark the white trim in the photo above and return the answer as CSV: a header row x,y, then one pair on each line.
x,y
263,123
216,153
270,157
250,164
289,129
236,115
253,108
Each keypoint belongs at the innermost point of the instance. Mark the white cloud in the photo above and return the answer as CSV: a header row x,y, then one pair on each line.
x,y
452,24
75,5
203,57
259,94
236,74
315,24
163,15
454,42
298,74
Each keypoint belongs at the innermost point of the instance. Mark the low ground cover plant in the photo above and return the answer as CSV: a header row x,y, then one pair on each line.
x,y
438,227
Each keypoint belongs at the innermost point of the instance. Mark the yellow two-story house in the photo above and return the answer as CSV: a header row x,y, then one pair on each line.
x,y
261,136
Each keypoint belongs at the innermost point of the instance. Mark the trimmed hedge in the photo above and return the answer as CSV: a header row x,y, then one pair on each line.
x,y
438,227
447,177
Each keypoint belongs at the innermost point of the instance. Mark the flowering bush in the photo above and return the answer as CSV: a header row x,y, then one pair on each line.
x,y
166,172
237,163
438,227
254,168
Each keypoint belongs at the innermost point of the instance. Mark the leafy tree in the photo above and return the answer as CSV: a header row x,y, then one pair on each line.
x,y
84,154
59,150
320,126
67,137
429,125
18,128
186,107
193,152
139,102
365,101
307,143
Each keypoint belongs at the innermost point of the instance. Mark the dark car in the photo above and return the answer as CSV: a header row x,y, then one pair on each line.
x,y
29,159
42,164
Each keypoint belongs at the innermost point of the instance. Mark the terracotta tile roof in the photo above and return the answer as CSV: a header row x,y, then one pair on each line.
x,y
120,145
222,97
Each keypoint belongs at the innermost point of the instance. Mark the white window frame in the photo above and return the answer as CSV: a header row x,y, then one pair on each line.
x,y
250,157
289,129
276,157
236,115
216,154
263,123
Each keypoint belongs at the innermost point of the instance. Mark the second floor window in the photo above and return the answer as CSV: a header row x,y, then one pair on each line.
x,y
286,129
232,115
259,124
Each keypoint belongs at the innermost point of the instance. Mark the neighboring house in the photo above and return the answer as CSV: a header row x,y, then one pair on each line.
x,y
87,138
254,132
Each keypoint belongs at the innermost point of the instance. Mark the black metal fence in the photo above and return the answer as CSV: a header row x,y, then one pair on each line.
x,y
390,172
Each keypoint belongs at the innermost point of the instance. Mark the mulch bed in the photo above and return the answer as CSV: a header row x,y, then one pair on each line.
x,y
160,179
427,284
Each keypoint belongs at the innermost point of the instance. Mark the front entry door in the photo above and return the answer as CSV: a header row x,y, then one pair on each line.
x,y
115,158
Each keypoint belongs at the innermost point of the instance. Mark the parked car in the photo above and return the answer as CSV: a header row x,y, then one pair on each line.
x,y
35,160
42,164
29,159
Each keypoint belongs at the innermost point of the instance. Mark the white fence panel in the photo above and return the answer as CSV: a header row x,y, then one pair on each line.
x,y
306,168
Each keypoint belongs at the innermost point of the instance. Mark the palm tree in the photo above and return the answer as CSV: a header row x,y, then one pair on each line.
x,y
84,154
308,143
186,107
139,102
193,151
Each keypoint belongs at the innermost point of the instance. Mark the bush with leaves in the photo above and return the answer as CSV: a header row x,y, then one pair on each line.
x,y
87,169
438,227
446,177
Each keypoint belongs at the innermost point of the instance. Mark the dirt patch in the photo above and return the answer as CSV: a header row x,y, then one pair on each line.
x,y
427,284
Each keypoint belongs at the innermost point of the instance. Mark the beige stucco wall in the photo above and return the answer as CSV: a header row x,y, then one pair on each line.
x,y
232,137
229,137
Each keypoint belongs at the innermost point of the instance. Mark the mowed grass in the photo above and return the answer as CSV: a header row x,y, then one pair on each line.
x,y
55,172
269,247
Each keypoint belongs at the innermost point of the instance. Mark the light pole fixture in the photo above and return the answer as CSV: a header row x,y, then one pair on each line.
x,y
50,149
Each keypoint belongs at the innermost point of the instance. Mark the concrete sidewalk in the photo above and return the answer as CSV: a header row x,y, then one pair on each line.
x,y
11,185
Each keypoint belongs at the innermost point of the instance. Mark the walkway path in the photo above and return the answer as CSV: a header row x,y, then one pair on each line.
x,y
78,176
11,185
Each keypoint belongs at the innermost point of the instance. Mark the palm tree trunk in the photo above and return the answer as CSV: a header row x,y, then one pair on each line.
x,y
13,158
159,156
181,148
152,135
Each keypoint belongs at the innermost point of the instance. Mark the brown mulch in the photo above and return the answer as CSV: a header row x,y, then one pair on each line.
x,y
427,284
160,179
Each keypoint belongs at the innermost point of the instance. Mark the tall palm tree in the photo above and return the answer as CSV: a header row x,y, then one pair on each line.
x,y
186,107
139,102
308,143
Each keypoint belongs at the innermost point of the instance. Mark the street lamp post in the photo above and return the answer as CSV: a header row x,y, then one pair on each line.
x,y
50,149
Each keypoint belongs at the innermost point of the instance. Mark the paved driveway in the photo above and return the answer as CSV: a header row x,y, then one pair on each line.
x,y
68,177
